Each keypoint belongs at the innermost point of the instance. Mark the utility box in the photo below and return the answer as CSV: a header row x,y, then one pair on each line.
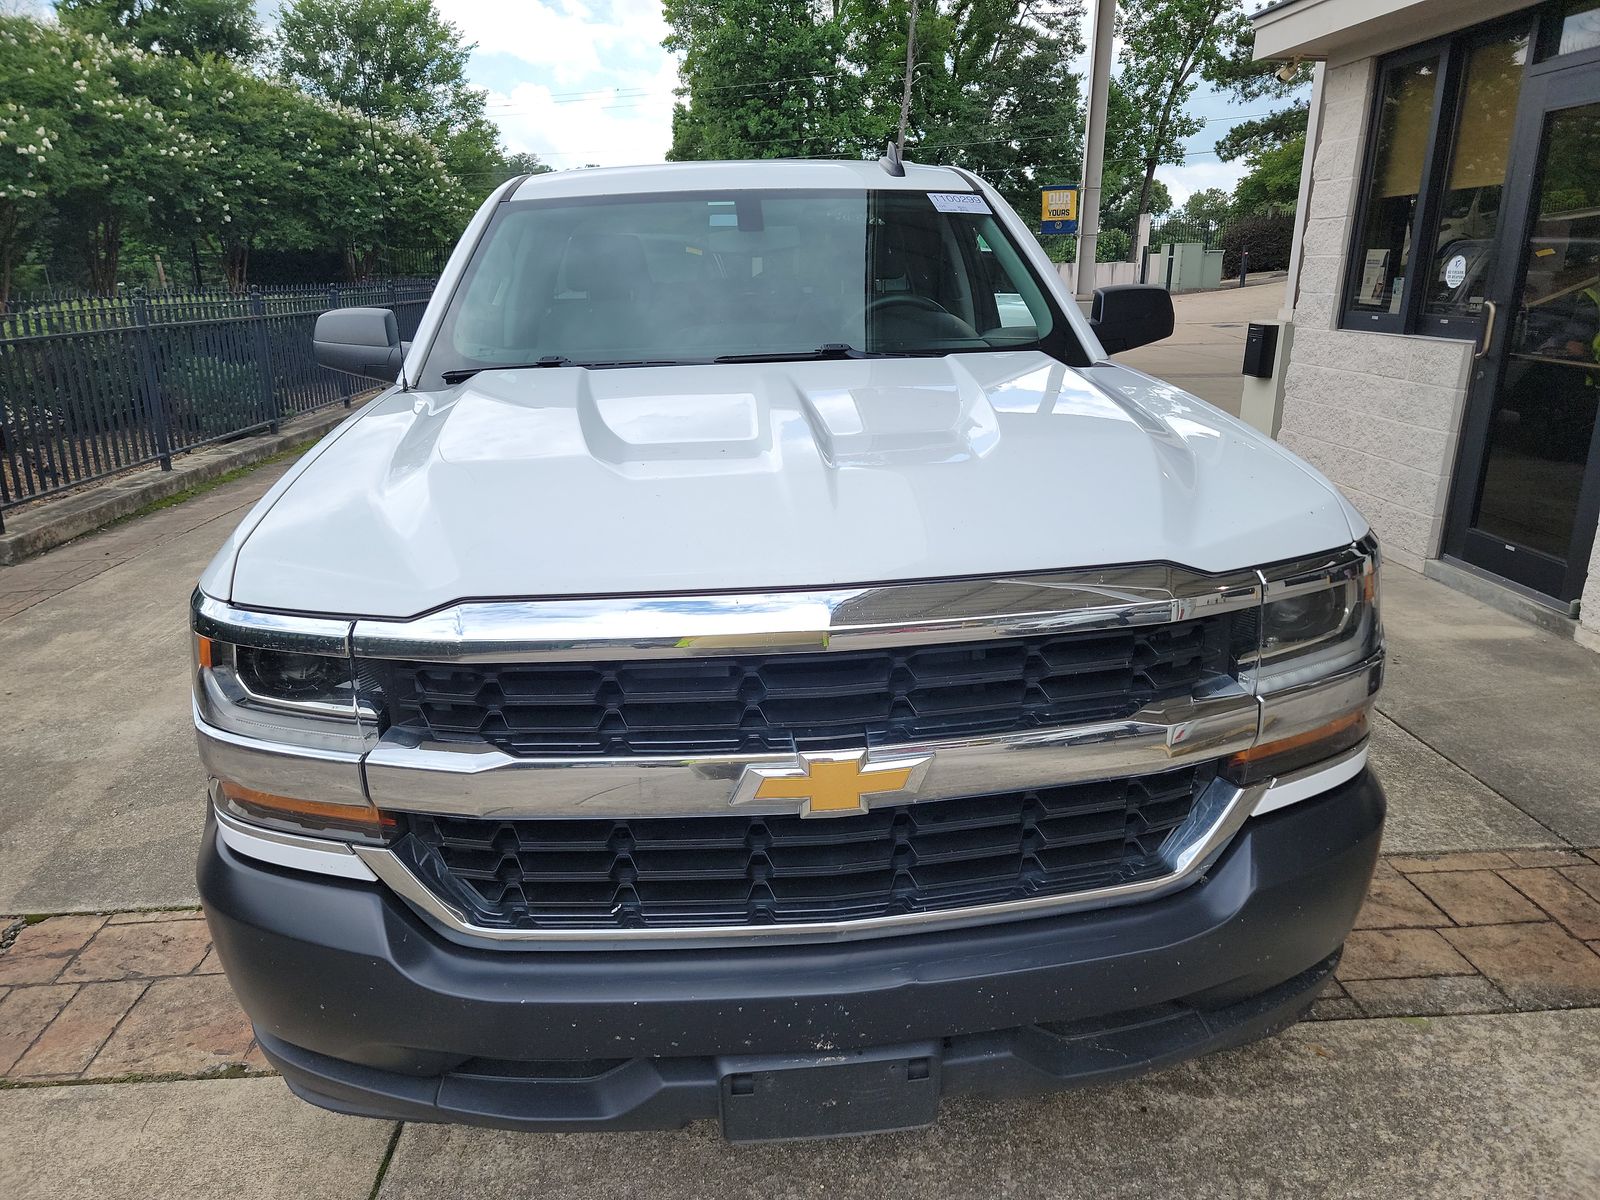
x,y
1260,350
1266,360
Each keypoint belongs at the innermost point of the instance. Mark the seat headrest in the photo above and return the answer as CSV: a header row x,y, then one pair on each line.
x,y
605,264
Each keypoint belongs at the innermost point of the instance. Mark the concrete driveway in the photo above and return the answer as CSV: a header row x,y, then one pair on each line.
x,y
1206,350
1483,1086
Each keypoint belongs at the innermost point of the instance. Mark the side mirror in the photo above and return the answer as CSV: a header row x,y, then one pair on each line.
x,y
360,341
1131,314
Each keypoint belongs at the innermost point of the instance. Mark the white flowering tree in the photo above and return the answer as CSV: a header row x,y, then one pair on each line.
x,y
87,148
104,141
39,92
246,180
372,184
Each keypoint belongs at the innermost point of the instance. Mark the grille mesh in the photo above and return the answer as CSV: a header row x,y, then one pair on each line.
x,y
753,870
782,702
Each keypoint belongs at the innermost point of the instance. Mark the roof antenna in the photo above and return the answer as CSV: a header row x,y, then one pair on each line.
x,y
891,163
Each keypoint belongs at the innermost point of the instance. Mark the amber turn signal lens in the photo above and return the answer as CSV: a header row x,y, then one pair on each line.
x,y
203,651
1283,755
1309,738
310,814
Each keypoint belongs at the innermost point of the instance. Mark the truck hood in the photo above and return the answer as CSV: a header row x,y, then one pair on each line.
x,y
564,482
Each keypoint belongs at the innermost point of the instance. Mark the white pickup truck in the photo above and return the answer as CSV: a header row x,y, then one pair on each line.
x,y
762,662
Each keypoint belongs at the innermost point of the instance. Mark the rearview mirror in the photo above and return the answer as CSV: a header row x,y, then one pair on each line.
x,y
1131,314
360,341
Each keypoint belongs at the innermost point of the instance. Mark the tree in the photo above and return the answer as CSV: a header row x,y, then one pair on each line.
x,y
392,58
41,96
761,79
249,186
395,59
189,28
1264,133
1001,97
90,146
1210,206
992,90
525,162
1168,47
1273,145
1273,181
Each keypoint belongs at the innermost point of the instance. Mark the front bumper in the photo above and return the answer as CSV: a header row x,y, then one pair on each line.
x,y
366,1009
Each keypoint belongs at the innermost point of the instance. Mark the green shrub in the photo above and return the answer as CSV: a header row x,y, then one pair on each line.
x,y
211,397
1267,238
1113,245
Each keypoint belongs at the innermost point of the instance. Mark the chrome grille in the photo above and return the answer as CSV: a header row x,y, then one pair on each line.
x,y
803,701
738,870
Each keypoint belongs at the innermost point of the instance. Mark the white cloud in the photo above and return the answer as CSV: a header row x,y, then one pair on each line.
x,y
603,129
568,39
1191,177
574,81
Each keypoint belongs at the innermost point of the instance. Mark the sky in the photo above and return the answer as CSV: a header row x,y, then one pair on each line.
x,y
577,82
582,82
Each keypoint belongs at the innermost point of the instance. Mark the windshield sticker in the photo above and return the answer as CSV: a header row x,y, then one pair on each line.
x,y
960,202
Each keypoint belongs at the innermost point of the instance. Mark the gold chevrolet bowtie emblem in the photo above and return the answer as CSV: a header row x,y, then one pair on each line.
x,y
832,784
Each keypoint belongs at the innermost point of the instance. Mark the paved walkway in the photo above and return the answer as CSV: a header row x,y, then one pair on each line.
x,y
1455,1056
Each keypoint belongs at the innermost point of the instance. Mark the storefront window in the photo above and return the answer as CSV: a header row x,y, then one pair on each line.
x,y
1404,122
1469,213
1436,177
1580,27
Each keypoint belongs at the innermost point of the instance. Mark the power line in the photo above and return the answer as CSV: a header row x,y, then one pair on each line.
x,y
633,93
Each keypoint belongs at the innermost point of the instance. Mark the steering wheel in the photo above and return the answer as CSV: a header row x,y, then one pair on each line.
x,y
907,300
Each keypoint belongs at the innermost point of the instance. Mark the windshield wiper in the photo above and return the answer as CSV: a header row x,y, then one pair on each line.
x,y
841,350
549,360
554,360
825,351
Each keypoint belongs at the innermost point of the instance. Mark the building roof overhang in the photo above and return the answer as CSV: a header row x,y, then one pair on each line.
x,y
1345,29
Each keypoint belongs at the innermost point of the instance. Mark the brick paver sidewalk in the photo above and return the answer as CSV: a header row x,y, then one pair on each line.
x,y
139,995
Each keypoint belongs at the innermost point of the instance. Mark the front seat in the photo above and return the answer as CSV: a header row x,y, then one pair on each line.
x,y
610,271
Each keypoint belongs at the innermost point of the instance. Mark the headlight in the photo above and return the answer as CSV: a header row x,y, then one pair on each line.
x,y
292,697
1315,623
1312,662
284,721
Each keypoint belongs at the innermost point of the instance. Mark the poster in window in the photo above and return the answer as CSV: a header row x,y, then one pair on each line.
x,y
1374,277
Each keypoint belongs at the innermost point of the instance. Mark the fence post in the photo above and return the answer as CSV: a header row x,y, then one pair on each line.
x,y
154,405
258,326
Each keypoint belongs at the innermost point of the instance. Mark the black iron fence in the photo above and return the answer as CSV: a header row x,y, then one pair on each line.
x,y
91,386
1248,241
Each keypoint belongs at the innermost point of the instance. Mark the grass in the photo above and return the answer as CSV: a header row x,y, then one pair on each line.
x,y
201,488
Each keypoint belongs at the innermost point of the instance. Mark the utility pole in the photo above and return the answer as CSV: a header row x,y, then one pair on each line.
x,y
1094,146
905,97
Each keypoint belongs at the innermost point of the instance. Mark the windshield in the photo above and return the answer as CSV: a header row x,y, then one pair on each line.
x,y
694,278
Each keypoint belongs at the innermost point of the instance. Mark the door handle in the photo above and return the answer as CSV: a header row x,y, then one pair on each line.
x,y
1488,329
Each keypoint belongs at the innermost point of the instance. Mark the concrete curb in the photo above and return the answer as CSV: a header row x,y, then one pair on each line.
x,y
52,522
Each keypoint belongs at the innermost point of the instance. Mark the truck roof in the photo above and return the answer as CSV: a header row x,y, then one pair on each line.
x,y
722,176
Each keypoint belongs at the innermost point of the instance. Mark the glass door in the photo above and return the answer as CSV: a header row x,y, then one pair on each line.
x,y
1527,486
